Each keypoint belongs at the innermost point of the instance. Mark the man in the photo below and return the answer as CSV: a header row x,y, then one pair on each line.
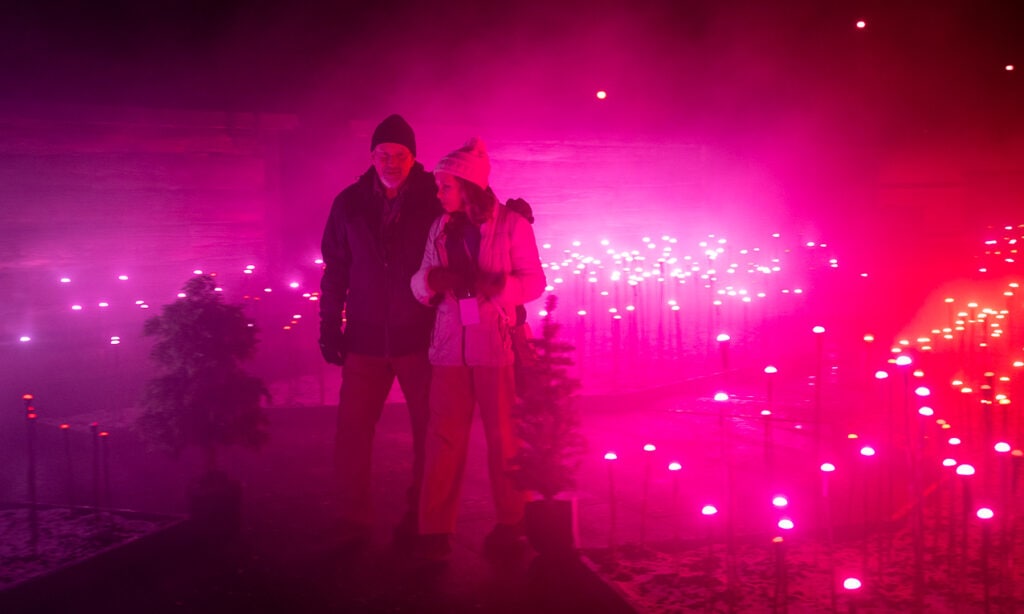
x,y
370,322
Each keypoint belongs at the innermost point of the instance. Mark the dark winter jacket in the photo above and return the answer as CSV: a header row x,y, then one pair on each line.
x,y
368,263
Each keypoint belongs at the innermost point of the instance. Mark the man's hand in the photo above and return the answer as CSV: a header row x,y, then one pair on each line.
x,y
442,279
332,344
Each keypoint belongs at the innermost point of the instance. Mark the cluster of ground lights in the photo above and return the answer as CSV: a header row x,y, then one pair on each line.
x,y
943,449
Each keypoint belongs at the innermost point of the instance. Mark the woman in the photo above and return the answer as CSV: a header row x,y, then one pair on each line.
x,y
480,261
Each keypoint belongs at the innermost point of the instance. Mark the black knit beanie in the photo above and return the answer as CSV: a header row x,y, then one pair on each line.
x,y
394,129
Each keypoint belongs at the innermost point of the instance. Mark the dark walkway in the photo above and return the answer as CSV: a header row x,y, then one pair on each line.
x,y
288,560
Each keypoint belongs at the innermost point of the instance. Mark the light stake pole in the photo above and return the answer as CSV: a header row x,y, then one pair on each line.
x,y
648,453
819,346
985,515
826,470
33,513
68,464
709,512
674,469
852,587
966,471
611,457
767,413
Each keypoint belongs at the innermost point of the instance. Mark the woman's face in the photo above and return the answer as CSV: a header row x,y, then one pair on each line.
x,y
449,192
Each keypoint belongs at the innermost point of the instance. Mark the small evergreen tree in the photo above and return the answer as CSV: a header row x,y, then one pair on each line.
x,y
551,442
202,396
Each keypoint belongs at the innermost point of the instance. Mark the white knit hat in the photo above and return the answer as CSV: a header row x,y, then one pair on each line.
x,y
470,162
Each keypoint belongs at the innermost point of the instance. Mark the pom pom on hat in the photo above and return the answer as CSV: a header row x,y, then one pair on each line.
x,y
470,162
394,129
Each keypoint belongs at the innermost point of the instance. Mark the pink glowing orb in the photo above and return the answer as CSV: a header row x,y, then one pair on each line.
x,y
786,524
926,411
610,456
851,584
122,277
867,451
601,94
765,412
965,469
985,513
949,462
65,280
881,375
76,308
1002,446
954,441
674,466
294,284
581,312
922,391
780,501
903,360
828,467
197,272
181,295
649,447
24,338
709,510
770,370
721,396
104,304
722,338
817,330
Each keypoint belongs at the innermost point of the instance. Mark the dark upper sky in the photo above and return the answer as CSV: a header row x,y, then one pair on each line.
x,y
725,65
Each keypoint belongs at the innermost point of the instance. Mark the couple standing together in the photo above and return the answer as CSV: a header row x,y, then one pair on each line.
x,y
422,277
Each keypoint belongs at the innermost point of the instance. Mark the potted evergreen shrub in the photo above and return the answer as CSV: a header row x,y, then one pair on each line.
x,y
202,397
551,442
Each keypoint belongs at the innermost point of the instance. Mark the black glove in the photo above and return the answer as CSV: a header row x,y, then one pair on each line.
x,y
489,285
332,344
521,207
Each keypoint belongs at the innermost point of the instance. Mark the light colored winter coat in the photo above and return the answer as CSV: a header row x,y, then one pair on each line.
x,y
507,245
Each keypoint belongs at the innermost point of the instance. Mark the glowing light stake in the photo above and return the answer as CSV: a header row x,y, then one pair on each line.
x,y
819,333
769,444
781,594
966,471
611,457
68,465
709,512
649,449
852,587
723,345
96,473
674,468
985,515
33,513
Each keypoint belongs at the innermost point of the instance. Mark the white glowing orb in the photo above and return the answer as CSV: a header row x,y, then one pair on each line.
x,y
903,360
926,411
294,284
851,584
181,295
76,308
881,375
770,370
780,501
786,524
867,451
104,304
965,469
24,338
709,510
122,277
954,441
601,94
1009,67
949,462
985,513
1002,446
674,466
649,447
65,280
722,338
922,391
828,467
721,396
610,456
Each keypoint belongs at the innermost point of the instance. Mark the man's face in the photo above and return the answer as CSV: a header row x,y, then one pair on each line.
x,y
393,163
449,192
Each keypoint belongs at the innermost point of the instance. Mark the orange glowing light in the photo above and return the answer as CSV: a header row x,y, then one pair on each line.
x,y
27,397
